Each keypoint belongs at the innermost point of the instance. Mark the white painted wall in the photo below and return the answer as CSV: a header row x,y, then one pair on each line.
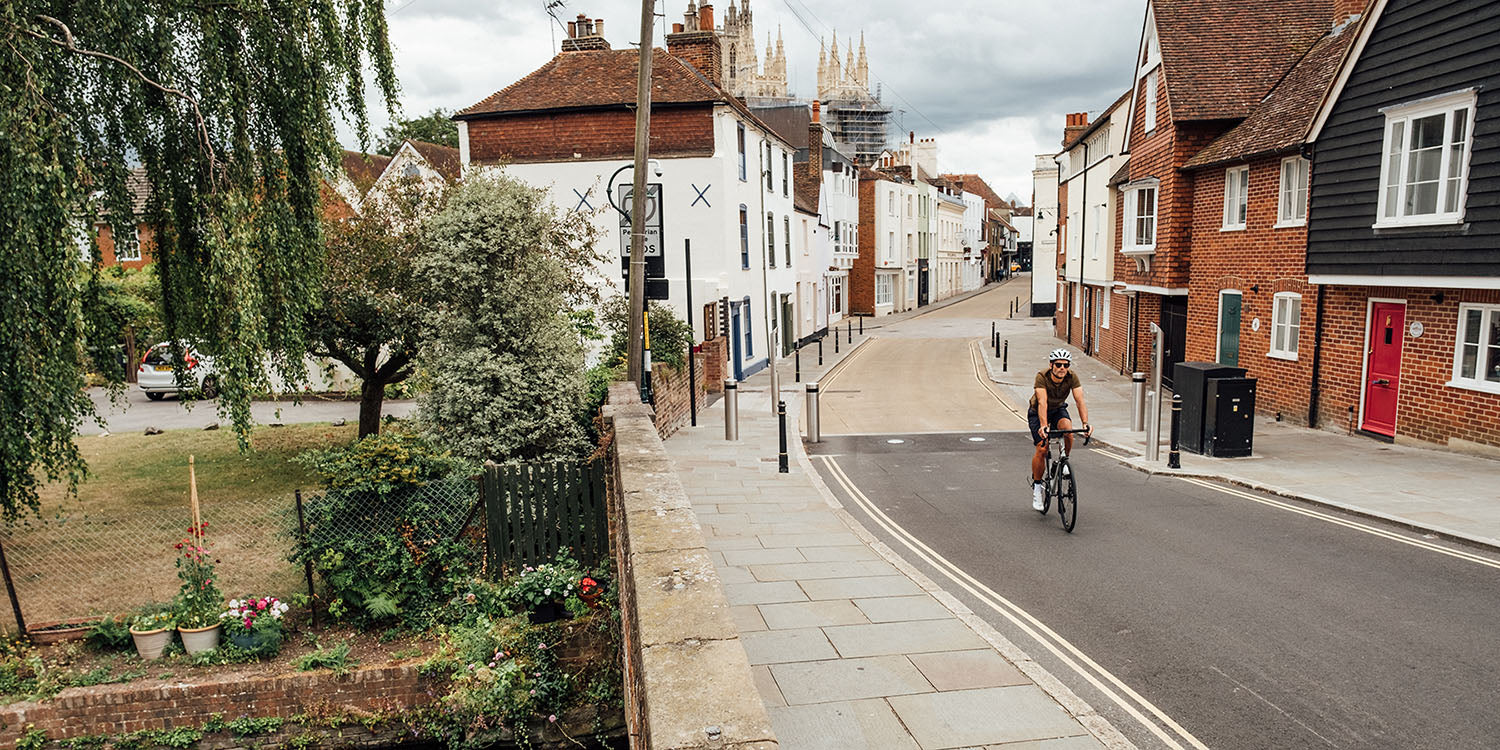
x,y
1044,228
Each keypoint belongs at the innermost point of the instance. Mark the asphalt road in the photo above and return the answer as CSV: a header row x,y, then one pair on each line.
x,y
1250,625
135,412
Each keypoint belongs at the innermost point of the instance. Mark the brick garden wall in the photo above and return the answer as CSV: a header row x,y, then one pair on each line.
x,y
669,387
1259,261
715,363
1428,410
862,274
117,709
589,136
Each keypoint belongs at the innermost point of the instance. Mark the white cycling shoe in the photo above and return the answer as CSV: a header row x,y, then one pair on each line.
x,y
1036,498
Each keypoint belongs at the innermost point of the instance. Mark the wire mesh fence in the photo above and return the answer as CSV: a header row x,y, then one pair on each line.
x,y
115,561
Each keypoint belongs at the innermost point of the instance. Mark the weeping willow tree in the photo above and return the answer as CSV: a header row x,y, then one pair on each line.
x,y
230,107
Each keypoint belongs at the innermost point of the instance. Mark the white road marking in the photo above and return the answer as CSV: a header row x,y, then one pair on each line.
x,y
1357,526
1049,639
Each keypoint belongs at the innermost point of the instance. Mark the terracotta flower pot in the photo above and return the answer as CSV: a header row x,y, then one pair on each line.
x,y
150,643
200,640
44,633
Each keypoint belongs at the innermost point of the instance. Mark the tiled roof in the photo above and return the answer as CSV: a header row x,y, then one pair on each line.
x,y
975,184
1097,123
139,188
789,121
444,159
1221,56
1281,121
601,78
805,188
364,169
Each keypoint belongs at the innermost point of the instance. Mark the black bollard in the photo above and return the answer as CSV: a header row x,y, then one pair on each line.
x,y
1005,358
781,466
992,329
861,325
997,346
835,341
797,365
1174,461
849,329
820,352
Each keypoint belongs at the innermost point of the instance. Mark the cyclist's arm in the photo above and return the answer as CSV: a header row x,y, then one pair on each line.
x,y
1041,409
1083,410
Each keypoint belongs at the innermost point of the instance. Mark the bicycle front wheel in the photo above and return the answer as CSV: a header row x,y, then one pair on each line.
x,y
1067,499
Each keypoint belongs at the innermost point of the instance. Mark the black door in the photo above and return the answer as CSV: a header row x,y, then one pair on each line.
x,y
921,282
1174,335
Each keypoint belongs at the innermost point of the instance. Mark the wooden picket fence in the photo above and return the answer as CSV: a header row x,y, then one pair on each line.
x,y
535,510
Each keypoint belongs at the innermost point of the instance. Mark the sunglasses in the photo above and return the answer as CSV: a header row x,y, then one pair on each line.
x,y
1063,365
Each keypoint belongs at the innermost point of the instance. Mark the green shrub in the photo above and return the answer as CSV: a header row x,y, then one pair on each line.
x,y
670,335
336,659
110,633
382,463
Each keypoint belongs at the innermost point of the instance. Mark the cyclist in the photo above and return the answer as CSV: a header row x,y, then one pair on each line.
x,y
1052,388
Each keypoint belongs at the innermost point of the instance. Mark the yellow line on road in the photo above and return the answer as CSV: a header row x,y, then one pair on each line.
x,y
982,374
838,367
1019,617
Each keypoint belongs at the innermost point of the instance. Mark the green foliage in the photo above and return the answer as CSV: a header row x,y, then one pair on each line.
x,y
154,619
199,602
86,742
229,108
502,274
250,726
371,312
31,673
336,659
382,464
556,581
121,299
33,739
179,738
110,633
670,336
436,126
596,383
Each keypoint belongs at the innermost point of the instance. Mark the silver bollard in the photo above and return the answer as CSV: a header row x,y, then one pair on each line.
x,y
1138,401
1153,423
814,430
731,409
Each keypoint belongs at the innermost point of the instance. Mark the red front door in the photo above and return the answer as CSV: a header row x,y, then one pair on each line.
x,y
1383,367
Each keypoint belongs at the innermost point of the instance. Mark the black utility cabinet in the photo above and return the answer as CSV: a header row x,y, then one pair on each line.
x,y
1190,381
1229,417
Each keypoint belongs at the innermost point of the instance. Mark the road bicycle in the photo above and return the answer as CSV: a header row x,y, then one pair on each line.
x,y
1058,482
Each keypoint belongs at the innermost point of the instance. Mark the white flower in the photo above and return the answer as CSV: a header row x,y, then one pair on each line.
x,y
547,592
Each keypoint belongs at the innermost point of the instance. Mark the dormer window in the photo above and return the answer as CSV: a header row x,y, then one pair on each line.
x,y
1425,159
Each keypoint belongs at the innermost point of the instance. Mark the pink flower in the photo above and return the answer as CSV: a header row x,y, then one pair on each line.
x,y
553,718
247,623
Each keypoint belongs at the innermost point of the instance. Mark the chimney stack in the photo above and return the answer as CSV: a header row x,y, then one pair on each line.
x,y
585,35
1346,12
815,142
1077,122
695,42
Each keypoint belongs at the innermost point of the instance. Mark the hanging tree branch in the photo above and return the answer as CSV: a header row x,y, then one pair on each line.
x,y
68,44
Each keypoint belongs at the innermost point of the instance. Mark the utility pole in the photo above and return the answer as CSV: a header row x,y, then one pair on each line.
x,y
637,275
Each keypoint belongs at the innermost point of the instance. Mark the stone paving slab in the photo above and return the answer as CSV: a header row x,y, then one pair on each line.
x,y
775,646
815,570
811,614
848,679
764,593
967,718
966,670
860,588
903,637
841,726
901,608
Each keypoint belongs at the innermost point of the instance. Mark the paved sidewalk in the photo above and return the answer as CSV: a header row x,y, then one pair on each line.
x,y
850,646
1451,494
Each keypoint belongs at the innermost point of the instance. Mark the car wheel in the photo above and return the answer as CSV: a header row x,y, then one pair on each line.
x,y
210,387
153,395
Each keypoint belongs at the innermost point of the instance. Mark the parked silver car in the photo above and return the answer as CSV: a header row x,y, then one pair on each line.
x,y
156,379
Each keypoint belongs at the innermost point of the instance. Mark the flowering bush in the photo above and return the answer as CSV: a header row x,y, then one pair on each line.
x,y
254,615
548,582
149,621
198,601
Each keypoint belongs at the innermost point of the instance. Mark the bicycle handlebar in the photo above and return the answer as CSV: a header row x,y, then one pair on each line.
x,y
1051,434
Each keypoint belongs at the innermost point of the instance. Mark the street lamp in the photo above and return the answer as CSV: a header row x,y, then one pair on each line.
x,y
652,165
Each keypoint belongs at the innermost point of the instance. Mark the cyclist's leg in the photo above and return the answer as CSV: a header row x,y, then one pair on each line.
x,y
1061,420
1039,458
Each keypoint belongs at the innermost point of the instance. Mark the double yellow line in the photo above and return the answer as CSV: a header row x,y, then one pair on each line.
x,y
1164,727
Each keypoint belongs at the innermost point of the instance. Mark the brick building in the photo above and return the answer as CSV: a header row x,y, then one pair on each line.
x,y
725,177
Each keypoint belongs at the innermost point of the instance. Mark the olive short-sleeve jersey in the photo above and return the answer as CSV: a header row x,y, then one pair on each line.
x,y
1057,392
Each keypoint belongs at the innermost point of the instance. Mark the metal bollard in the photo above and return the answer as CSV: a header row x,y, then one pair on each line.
x,y
797,365
992,329
731,409
781,466
1137,401
997,346
820,352
849,329
861,325
814,427
1005,358
1174,461
835,341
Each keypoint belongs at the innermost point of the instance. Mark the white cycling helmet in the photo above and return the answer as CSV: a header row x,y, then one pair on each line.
x,y
1062,354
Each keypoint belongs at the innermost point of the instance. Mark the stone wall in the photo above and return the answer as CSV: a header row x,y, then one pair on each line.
x,y
687,678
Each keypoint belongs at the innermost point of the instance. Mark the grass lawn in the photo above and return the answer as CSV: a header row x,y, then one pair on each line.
x,y
111,549
138,471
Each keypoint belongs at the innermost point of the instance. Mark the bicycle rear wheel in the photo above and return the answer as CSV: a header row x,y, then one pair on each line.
x,y
1067,499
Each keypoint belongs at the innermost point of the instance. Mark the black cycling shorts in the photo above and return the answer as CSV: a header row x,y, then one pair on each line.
x,y
1054,414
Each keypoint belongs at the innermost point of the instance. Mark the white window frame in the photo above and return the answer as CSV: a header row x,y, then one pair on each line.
x,y
1488,315
1403,115
1149,117
1104,316
1236,198
1280,323
1128,242
886,281
1292,194
740,134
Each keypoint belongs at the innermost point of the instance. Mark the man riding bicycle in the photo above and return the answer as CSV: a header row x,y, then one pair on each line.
x,y
1052,388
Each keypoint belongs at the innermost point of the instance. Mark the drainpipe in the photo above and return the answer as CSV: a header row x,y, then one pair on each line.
x,y
1315,392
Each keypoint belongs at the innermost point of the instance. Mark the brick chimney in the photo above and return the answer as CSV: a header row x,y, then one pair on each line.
x,y
1346,12
1076,123
695,42
585,35
815,141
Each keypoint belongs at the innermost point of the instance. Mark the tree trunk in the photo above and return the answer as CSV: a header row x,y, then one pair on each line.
x,y
371,396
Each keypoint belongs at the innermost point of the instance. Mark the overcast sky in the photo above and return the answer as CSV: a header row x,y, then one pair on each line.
x,y
990,79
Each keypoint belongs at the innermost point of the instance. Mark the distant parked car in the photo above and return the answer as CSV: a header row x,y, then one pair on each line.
x,y
156,379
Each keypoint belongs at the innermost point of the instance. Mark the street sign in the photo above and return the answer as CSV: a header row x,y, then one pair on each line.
x,y
656,263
